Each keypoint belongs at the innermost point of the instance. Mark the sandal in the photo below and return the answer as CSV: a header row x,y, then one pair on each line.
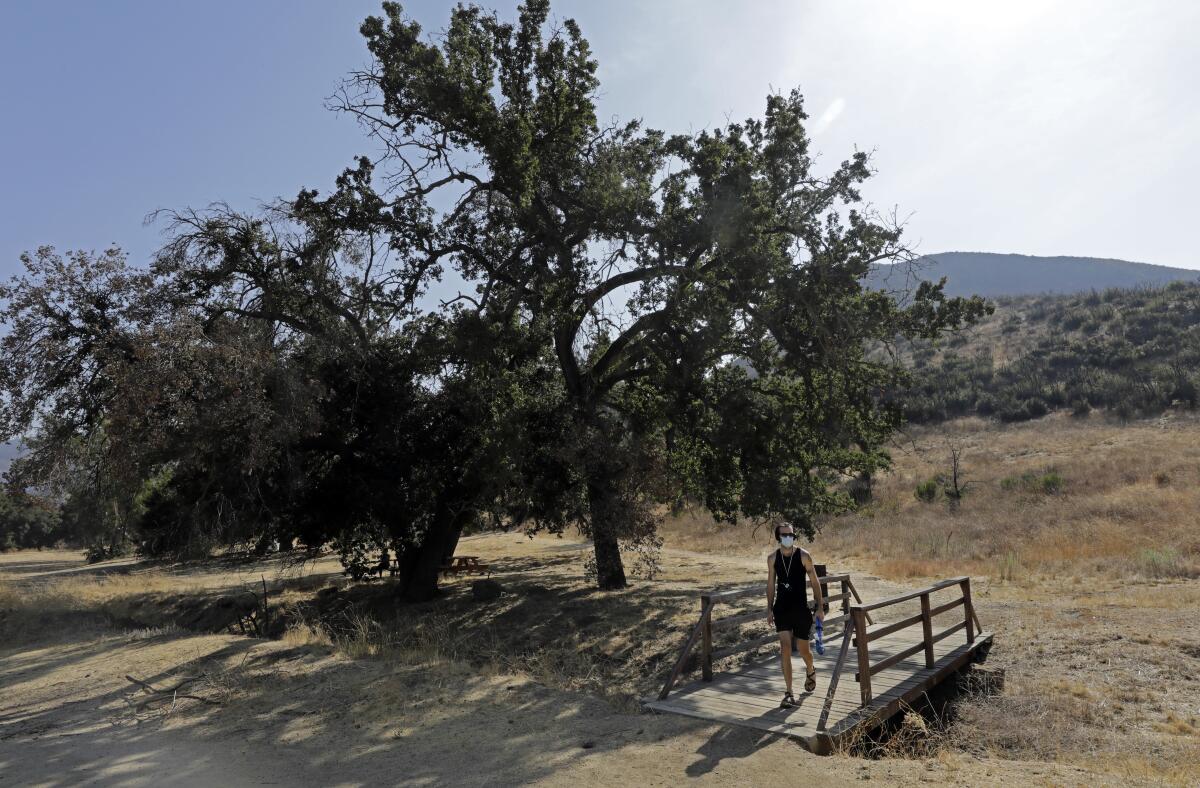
x,y
810,681
788,701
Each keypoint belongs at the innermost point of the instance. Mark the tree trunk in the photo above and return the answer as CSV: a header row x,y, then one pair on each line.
x,y
419,565
603,504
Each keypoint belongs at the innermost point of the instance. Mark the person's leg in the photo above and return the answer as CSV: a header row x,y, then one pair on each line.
x,y
806,654
785,653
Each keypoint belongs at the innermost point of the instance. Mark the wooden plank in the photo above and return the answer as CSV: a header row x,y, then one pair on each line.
x,y
927,630
883,664
761,686
706,649
892,600
949,631
758,700
948,606
760,705
864,655
890,628
827,706
746,706
970,609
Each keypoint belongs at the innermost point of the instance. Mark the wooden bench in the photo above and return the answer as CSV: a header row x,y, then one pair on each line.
x,y
465,564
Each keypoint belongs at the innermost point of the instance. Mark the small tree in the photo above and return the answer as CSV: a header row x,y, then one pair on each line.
x,y
955,485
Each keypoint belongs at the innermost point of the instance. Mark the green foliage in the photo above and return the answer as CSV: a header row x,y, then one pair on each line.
x,y
1165,562
1048,481
27,522
927,491
282,375
1134,352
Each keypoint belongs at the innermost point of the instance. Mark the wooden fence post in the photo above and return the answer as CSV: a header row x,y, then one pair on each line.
x,y
927,626
968,609
864,654
706,635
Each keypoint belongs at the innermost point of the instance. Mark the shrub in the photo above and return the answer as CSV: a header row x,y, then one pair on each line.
x,y
1036,408
927,491
1081,409
1049,482
1163,562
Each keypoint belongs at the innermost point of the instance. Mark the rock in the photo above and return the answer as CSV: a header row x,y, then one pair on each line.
x,y
486,590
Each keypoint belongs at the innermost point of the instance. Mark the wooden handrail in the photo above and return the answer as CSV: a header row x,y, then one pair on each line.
x,y
896,627
735,593
912,594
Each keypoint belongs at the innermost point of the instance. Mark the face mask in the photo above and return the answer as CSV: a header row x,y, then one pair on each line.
x,y
787,541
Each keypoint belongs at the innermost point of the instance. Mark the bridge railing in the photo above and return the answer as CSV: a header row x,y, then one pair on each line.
x,y
702,633
859,618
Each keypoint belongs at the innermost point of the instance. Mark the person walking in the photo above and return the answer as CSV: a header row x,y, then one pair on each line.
x,y
787,606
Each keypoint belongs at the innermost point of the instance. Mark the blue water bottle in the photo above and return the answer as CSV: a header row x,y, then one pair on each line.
x,y
819,637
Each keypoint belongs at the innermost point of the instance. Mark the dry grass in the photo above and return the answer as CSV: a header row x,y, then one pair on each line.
x,y
1120,503
1113,517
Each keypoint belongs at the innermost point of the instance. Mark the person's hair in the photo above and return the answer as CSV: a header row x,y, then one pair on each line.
x,y
781,525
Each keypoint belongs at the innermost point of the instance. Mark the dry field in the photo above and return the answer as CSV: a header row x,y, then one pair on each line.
x,y
1088,580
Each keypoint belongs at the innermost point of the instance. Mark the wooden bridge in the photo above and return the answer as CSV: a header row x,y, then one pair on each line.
x,y
862,680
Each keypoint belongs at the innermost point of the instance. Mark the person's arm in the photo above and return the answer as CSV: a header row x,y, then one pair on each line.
x,y
771,590
816,586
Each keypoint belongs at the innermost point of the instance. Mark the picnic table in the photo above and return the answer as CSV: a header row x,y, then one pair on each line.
x,y
465,564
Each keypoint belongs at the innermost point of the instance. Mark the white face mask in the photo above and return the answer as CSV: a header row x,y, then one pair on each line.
x,y
787,540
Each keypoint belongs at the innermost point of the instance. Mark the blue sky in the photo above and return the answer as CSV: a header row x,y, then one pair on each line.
x,y
1036,128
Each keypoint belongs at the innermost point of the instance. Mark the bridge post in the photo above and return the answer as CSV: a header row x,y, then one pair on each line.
x,y
969,609
706,660
927,626
864,655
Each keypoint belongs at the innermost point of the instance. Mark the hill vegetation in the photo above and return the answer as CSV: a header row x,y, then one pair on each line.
x,y
1134,352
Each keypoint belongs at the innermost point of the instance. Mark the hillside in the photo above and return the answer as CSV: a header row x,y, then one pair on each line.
x,y
1135,352
994,275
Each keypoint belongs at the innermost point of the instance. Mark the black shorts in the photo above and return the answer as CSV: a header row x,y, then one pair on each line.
x,y
793,615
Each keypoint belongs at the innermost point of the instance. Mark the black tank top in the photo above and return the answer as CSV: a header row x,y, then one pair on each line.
x,y
790,576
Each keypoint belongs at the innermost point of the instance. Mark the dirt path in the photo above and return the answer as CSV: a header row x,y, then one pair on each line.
x,y
306,714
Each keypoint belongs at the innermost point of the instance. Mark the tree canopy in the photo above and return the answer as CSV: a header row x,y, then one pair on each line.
x,y
641,318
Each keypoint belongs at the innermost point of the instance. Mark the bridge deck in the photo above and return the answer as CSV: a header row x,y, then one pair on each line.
x,y
749,695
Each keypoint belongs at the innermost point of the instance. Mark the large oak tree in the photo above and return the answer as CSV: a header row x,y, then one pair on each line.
x,y
649,260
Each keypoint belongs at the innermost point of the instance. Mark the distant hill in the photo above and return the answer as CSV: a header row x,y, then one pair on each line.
x,y
992,275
